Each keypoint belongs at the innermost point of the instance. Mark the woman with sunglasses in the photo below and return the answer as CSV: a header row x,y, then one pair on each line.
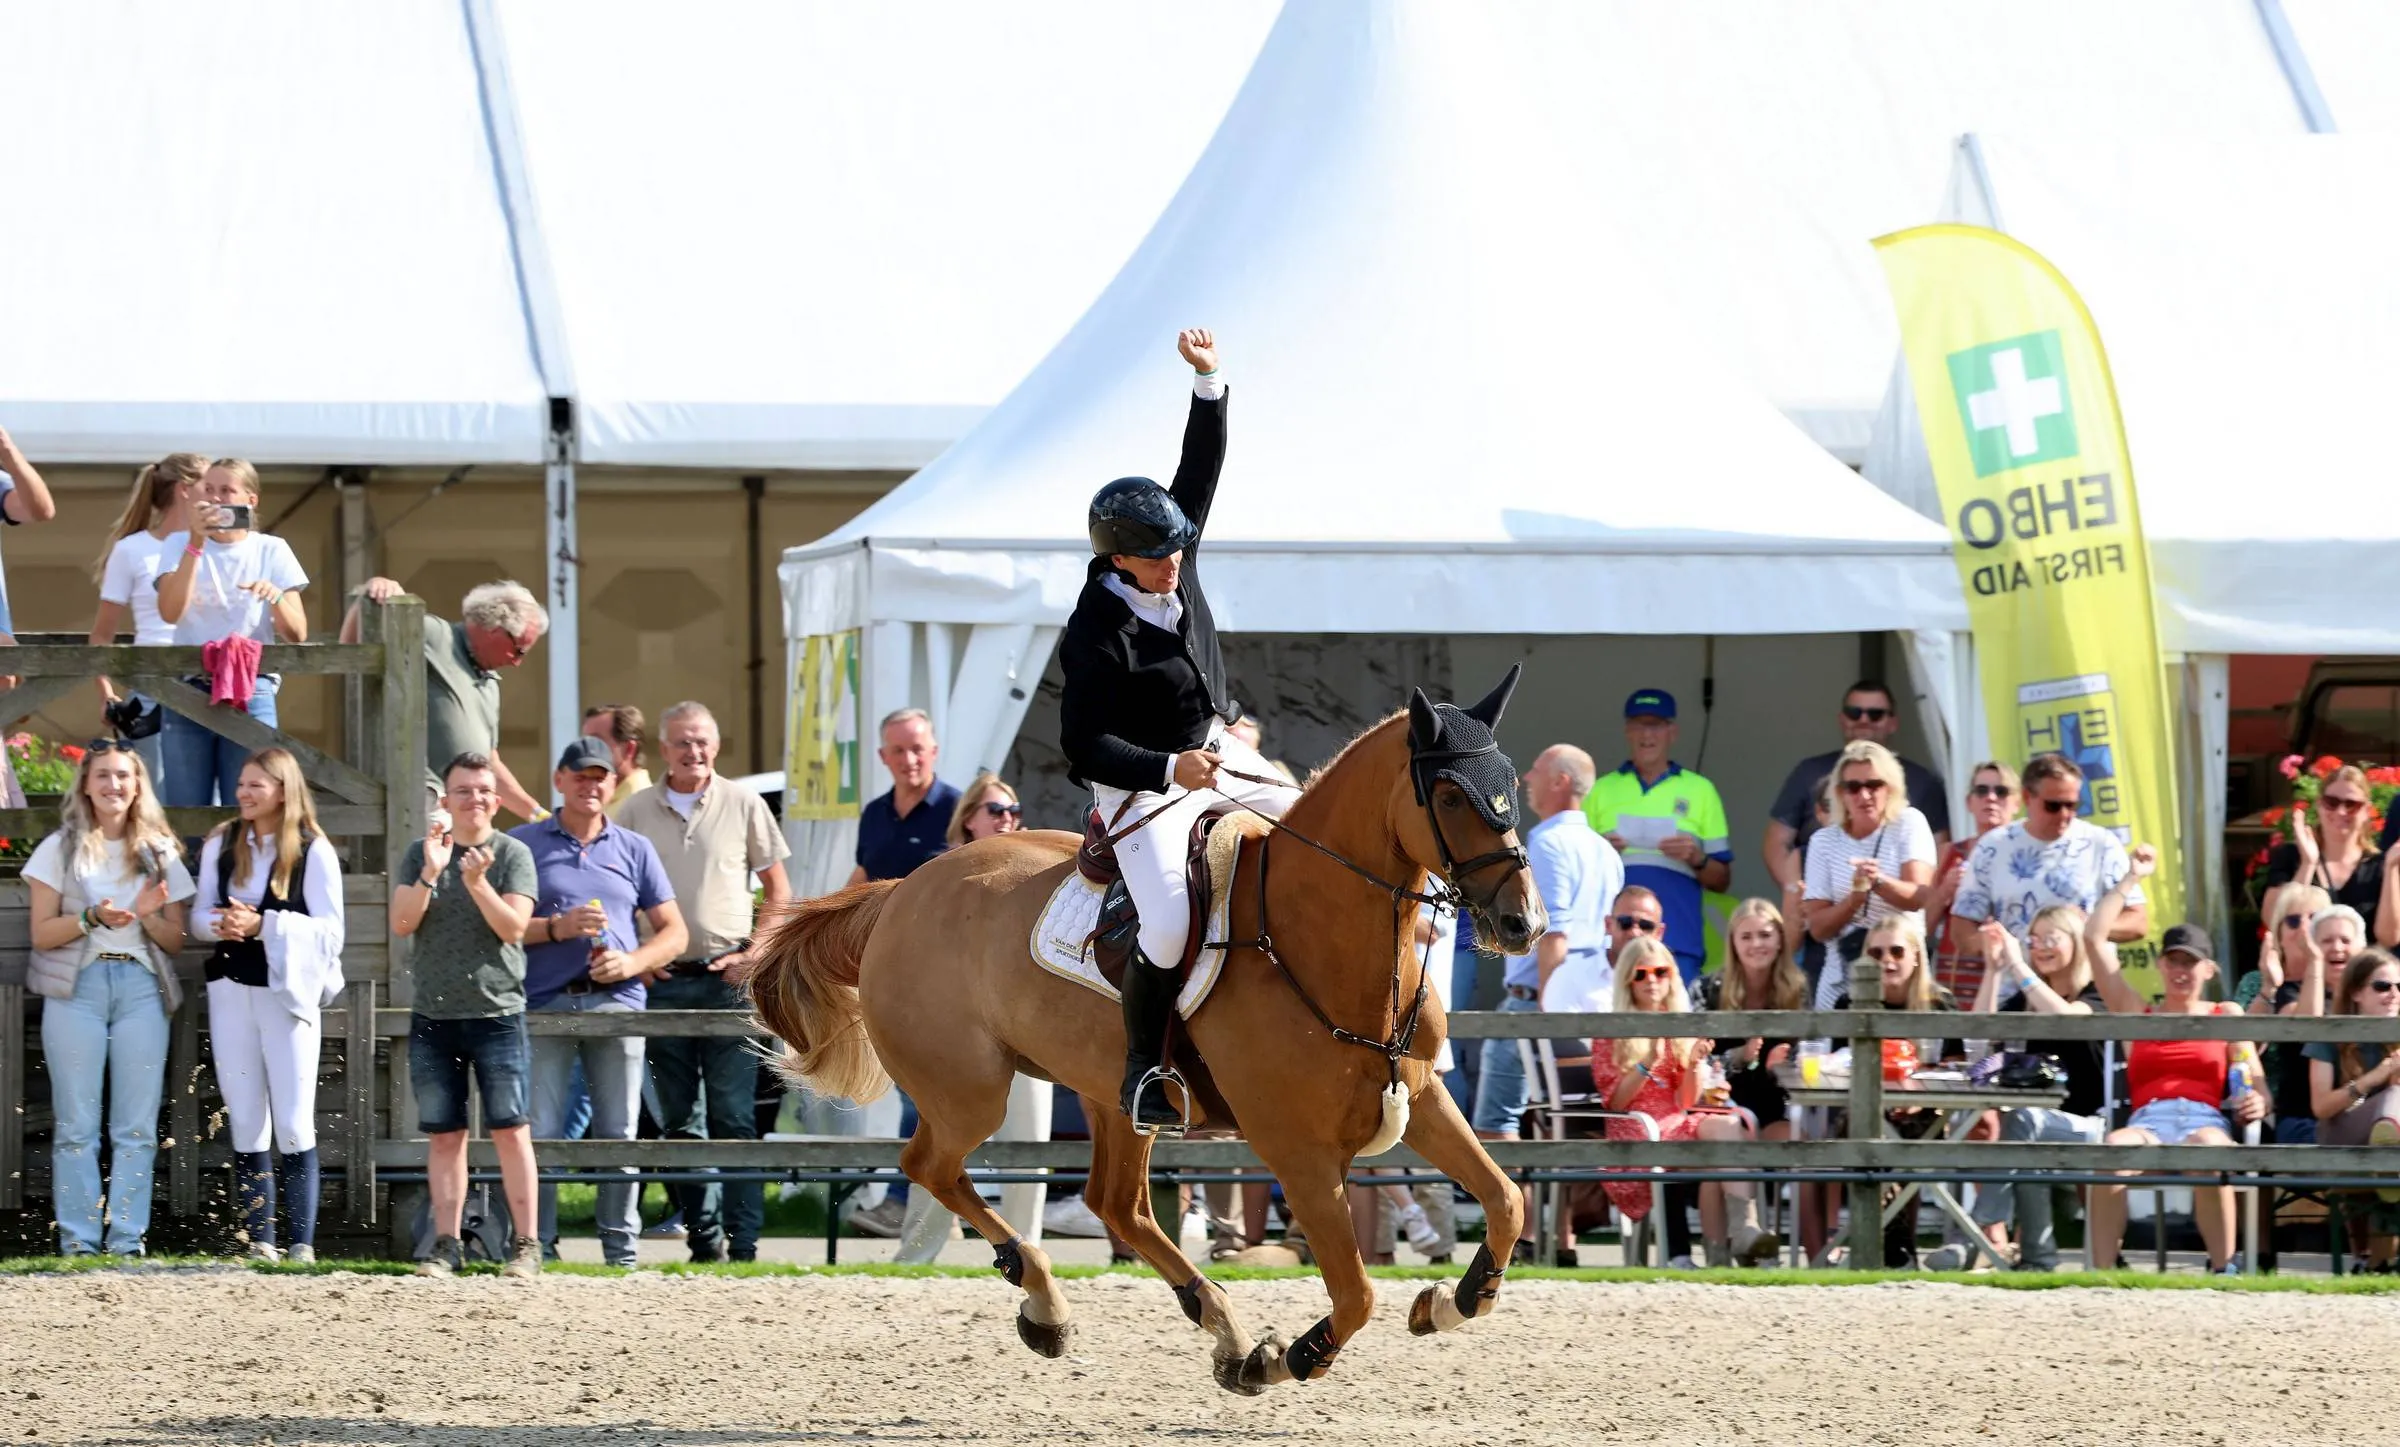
x,y
2353,1085
2333,848
2055,980
1897,947
271,897
2178,1087
1875,863
987,807
1994,799
1661,1078
107,895
2288,957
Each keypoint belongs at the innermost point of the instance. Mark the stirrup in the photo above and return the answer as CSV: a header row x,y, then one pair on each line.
x,y
1163,1074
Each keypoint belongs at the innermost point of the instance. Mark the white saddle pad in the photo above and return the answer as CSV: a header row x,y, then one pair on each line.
x,y
1062,935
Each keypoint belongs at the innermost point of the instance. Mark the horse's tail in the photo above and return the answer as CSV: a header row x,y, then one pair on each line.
x,y
803,982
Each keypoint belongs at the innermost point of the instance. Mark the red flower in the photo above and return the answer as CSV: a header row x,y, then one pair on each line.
x,y
70,753
2274,817
2324,768
2291,765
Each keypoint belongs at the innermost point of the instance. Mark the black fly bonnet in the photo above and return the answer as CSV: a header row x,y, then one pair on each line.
x,y
1449,742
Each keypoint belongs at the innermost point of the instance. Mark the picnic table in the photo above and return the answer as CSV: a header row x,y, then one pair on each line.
x,y
1947,1093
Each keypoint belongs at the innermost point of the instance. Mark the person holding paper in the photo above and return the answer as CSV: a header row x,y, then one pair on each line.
x,y
1667,822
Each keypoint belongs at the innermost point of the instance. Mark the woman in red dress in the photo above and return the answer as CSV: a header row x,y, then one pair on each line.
x,y
1662,1079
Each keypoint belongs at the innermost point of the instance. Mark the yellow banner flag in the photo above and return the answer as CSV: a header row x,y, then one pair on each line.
x,y
2020,418
821,772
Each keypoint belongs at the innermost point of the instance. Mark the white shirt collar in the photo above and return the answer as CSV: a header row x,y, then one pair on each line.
x,y
1163,610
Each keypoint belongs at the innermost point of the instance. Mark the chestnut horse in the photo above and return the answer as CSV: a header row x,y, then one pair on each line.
x,y
937,969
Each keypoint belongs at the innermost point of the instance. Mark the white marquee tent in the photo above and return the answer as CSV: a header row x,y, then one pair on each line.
x,y
1459,408
2246,297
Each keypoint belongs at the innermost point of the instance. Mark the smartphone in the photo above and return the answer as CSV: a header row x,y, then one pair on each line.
x,y
234,517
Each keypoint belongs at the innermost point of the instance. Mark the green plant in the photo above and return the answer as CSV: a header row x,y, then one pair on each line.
x,y
41,767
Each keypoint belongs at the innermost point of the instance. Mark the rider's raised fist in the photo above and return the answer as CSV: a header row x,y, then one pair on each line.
x,y
1199,347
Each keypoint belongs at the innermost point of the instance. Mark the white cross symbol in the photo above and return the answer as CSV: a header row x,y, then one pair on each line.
x,y
2016,402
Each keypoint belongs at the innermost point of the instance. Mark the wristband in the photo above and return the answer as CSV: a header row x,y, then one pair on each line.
x,y
191,550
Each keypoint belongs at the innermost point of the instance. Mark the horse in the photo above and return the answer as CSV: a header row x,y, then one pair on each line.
x,y
930,981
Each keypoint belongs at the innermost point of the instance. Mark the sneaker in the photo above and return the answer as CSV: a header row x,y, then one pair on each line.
x,y
1072,1216
2230,1268
1950,1256
2384,1132
1830,1258
301,1253
705,1253
882,1221
671,1229
1682,1263
524,1257
1568,1258
262,1251
1421,1234
448,1255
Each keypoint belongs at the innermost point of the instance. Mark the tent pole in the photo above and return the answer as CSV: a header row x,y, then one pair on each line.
x,y
561,583
754,492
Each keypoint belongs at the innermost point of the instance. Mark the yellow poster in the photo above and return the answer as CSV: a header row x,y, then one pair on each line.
x,y
821,765
2020,418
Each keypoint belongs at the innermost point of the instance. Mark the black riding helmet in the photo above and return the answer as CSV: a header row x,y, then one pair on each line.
x,y
1138,518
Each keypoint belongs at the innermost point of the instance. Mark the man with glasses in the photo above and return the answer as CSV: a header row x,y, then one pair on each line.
x,y
1667,822
498,625
713,837
1868,714
2049,857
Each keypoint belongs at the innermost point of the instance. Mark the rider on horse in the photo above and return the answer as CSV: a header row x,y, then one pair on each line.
x,y
1145,707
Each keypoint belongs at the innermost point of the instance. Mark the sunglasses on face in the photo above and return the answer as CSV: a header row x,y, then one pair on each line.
x,y
2058,806
999,810
2341,805
1863,786
2380,987
1651,972
1887,954
2294,921
1991,791
1636,923
1865,715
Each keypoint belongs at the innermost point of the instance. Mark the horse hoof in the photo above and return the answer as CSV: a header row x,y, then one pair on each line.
x,y
1420,1311
1264,1367
1048,1341
1231,1373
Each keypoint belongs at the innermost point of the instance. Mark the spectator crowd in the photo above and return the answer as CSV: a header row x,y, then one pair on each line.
x,y
642,891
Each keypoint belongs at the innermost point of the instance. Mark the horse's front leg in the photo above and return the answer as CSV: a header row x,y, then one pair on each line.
x,y
1441,1135
1314,1176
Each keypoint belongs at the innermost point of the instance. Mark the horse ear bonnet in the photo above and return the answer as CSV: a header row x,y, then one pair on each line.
x,y
1449,742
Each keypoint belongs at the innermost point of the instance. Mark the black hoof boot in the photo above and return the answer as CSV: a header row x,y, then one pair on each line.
x,y
1048,1341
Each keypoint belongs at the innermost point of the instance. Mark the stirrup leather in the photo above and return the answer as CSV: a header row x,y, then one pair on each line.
x,y
1163,1074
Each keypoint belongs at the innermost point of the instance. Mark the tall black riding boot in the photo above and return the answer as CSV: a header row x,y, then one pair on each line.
x,y
1149,1002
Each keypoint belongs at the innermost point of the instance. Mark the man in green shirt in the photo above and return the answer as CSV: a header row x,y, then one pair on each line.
x,y
499,623
1667,822
465,893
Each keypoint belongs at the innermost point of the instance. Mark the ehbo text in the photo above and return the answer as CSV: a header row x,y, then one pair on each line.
x,y
2044,513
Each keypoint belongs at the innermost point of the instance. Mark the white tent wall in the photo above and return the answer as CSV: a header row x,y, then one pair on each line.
x,y
2353,49
272,230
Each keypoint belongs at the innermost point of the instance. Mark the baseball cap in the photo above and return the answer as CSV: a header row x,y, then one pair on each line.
x,y
585,752
2189,938
1650,703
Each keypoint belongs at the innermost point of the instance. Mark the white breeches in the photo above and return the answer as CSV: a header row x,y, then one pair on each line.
x,y
266,1068
1152,857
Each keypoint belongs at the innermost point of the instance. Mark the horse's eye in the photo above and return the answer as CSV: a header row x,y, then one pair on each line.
x,y
1449,801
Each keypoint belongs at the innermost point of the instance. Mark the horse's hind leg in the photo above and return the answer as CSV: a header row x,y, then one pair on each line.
x,y
1437,1132
1120,1194
935,1158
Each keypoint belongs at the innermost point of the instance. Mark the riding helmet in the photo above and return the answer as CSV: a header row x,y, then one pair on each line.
x,y
1138,518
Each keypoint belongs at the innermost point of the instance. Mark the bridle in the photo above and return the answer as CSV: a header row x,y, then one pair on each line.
x,y
1447,893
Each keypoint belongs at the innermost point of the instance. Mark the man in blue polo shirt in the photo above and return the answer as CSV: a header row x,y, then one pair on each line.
x,y
582,953
1667,822
899,830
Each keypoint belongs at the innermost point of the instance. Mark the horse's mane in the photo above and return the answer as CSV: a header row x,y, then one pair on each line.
x,y
1333,763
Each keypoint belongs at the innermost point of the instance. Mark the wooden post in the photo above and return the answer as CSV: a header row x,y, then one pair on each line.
x,y
12,1097
399,732
358,1089
183,1103
1866,1109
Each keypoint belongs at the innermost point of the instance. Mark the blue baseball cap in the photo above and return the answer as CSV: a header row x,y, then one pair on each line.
x,y
1650,703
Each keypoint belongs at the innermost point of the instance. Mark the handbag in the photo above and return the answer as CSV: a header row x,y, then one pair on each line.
x,y
2025,1070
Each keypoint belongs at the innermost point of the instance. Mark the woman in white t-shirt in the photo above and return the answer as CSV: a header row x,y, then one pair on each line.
x,y
108,892
144,543
229,582
1874,863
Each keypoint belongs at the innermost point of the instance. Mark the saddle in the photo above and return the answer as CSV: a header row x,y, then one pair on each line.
x,y
1113,936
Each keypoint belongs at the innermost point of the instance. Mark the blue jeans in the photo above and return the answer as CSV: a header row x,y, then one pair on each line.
x,y
1500,1089
612,1065
114,1025
203,768
708,1090
441,1052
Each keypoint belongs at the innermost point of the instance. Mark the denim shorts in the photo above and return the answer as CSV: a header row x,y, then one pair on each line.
x,y
439,1055
2174,1119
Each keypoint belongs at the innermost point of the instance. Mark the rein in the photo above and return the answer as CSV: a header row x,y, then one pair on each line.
x,y
1446,895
